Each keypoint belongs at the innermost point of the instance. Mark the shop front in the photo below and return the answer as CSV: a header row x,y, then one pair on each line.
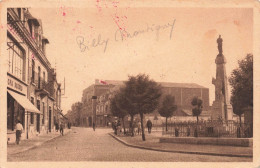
x,y
19,108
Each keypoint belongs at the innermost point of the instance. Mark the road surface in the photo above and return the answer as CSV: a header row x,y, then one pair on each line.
x,y
83,144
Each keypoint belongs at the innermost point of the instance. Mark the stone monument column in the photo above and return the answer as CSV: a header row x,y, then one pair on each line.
x,y
221,106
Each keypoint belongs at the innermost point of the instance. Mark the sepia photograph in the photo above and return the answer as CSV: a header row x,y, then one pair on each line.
x,y
127,82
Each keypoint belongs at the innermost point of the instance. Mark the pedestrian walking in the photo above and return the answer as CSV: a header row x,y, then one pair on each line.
x,y
19,129
149,126
69,125
61,129
139,128
57,127
94,126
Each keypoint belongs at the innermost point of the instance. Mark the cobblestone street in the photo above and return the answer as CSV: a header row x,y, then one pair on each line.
x,y
83,144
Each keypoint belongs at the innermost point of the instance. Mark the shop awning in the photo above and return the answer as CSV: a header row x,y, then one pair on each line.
x,y
24,102
63,115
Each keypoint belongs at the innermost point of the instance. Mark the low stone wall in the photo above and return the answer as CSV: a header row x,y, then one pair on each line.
x,y
245,142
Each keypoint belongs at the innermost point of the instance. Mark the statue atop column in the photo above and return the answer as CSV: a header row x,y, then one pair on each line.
x,y
221,106
219,41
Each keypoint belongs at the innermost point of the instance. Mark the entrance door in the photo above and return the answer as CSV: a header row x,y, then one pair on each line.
x,y
38,116
38,123
49,119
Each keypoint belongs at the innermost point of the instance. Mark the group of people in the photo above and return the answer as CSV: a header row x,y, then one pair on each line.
x,y
116,126
19,129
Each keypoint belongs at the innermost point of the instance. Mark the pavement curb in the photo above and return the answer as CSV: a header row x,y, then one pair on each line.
x,y
177,151
39,144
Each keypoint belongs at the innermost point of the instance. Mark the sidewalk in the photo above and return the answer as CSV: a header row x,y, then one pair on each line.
x,y
152,143
33,142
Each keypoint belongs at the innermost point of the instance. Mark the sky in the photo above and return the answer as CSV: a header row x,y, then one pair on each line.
x,y
110,42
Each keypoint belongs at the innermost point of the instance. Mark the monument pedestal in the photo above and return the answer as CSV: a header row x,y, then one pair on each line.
x,y
220,110
229,112
217,110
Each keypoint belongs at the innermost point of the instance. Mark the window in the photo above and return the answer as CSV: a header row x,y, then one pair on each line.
x,y
38,105
44,77
33,72
43,112
39,77
106,109
16,59
32,114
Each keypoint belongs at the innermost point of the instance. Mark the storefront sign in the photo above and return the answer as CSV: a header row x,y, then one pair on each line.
x,y
16,85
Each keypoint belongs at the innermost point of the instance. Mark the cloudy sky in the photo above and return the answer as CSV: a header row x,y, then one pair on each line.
x,y
110,42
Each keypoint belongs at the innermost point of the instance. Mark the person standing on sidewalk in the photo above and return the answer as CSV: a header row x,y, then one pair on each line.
x,y
61,129
19,129
149,126
94,126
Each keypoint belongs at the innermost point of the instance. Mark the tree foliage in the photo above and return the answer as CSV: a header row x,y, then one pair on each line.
x,y
197,106
168,107
121,106
241,81
143,94
74,113
116,106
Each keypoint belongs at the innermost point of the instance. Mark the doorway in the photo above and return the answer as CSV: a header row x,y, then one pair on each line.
x,y
38,123
38,116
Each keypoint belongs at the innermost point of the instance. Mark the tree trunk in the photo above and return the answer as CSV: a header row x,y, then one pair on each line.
x,y
123,121
239,128
132,125
196,129
166,124
142,125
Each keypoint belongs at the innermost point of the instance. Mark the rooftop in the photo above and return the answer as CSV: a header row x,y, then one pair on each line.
x,y
163,84
180,85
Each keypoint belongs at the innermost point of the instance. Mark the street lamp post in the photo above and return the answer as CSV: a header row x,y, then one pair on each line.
x,y
94,100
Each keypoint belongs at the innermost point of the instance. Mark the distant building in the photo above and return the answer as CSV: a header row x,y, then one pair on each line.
x,y
100,107
98,90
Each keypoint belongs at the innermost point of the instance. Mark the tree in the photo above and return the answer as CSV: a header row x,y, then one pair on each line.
x,y
196,110
76,110
116,107
241,81
168,107
143,94
197,107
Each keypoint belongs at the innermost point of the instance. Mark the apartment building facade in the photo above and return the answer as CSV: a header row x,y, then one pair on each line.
x,y
28,75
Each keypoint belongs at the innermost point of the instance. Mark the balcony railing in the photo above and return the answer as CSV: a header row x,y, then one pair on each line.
x,y
41,85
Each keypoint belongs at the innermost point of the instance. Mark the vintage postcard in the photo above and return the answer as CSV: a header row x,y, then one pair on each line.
x,y
109,83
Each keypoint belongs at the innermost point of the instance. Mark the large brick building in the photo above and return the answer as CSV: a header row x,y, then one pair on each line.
x,y
98,109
